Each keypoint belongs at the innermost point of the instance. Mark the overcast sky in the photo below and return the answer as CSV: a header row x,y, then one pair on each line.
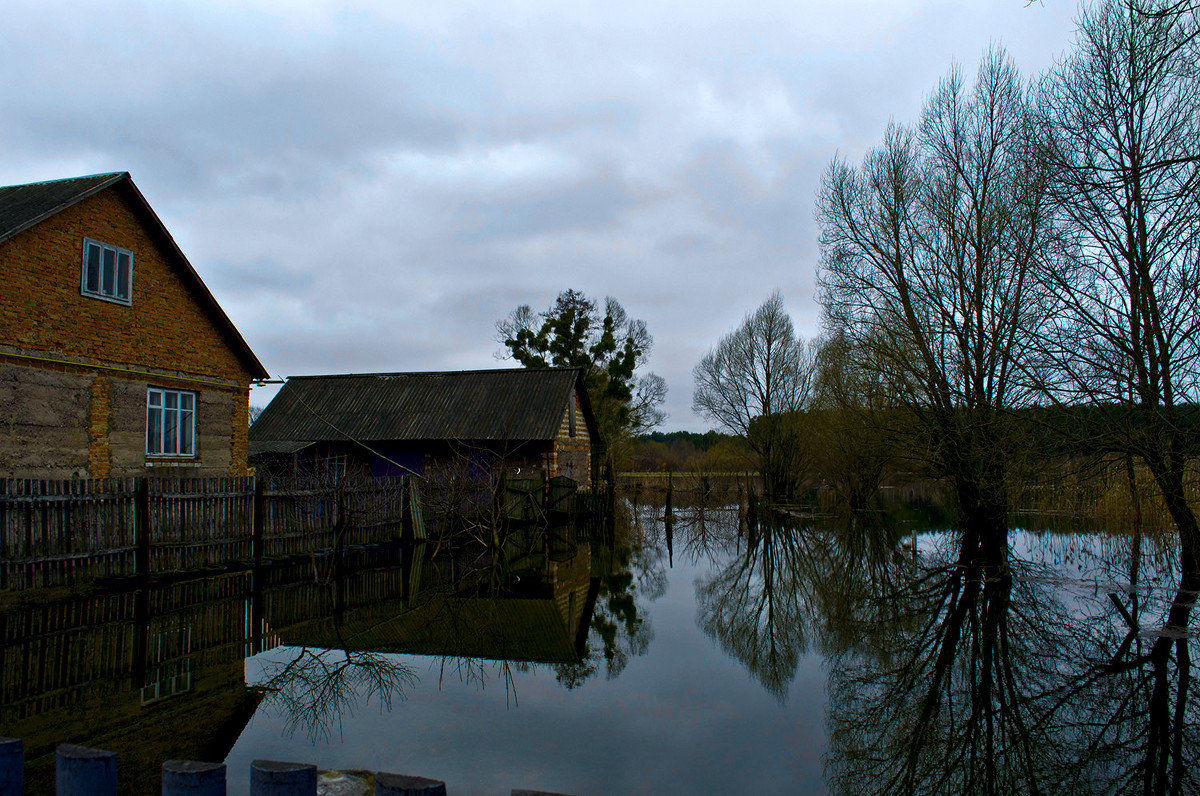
x,y
371,186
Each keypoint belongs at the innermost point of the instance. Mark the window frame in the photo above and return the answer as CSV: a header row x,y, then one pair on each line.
x,y
99,293
180,413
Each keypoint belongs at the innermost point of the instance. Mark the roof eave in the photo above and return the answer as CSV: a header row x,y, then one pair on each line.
x,y
216,313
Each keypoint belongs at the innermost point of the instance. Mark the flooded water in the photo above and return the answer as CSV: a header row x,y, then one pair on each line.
x,y
695,656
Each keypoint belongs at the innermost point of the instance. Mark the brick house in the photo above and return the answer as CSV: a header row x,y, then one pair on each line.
x,y
115,359
524,420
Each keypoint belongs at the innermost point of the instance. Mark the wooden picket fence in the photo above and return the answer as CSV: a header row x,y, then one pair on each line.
x,y
60,533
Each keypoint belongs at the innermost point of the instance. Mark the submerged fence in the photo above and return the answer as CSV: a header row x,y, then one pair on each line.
x,y
59,533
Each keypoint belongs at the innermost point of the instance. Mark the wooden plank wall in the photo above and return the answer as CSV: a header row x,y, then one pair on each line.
x,y
60,533
55,533
200,522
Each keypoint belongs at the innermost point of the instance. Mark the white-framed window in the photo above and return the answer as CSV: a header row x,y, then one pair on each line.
x,y
170,422
107,272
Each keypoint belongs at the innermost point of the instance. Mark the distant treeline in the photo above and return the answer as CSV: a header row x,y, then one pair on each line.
x,y
688,451
701,442
1064,460
1096,429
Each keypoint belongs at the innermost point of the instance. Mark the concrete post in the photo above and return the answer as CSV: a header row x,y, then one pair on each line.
x,y
189,778
399,785
12,767
79,771
276,778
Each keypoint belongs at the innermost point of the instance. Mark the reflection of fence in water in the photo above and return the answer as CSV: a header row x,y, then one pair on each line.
x,y
159,671
129,649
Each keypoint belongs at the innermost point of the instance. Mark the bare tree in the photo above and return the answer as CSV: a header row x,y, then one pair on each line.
x,y
927,251
859,424
1121,124
754,383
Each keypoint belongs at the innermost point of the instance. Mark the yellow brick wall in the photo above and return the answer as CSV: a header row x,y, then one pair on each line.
x,y
239,434
99,415
164,331
575,451
42,308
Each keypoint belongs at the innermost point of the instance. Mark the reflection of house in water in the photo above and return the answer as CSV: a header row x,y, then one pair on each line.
x,y
159,673
150,674
534,609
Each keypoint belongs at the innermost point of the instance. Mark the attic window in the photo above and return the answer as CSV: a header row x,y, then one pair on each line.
x,y
571,430
107,272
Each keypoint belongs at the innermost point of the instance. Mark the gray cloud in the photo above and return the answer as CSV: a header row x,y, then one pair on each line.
x,y
371,186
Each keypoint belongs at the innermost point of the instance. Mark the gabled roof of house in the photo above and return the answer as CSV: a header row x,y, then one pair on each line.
x,y
470,405
23,206
494,628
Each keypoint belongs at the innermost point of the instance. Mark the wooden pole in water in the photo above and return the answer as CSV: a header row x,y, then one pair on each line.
x,y
751,503
400,785
668,509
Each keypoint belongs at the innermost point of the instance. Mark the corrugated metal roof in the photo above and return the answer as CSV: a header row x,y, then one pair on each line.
x,y
477,405
258,448
493,628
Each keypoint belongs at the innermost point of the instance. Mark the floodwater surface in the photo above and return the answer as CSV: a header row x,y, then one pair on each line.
x,y
691,655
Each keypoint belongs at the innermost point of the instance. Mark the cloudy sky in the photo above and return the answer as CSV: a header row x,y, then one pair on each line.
x,y
371,186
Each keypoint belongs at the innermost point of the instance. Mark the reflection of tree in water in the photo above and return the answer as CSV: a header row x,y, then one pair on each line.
x,y
764,606
703,534
632,573
316,687
943,690
980,676
622,630
1135,709
478,672
757,608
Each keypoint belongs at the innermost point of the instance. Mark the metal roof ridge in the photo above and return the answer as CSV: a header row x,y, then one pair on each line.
x,y
67,179
433,372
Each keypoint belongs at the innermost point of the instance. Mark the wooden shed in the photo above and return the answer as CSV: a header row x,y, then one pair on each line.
x,y
518,421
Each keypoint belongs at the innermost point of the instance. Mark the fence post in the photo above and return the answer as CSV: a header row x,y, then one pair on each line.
x,y
79,771
406,520
141,527
260,518
189,778
12,767
275,778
